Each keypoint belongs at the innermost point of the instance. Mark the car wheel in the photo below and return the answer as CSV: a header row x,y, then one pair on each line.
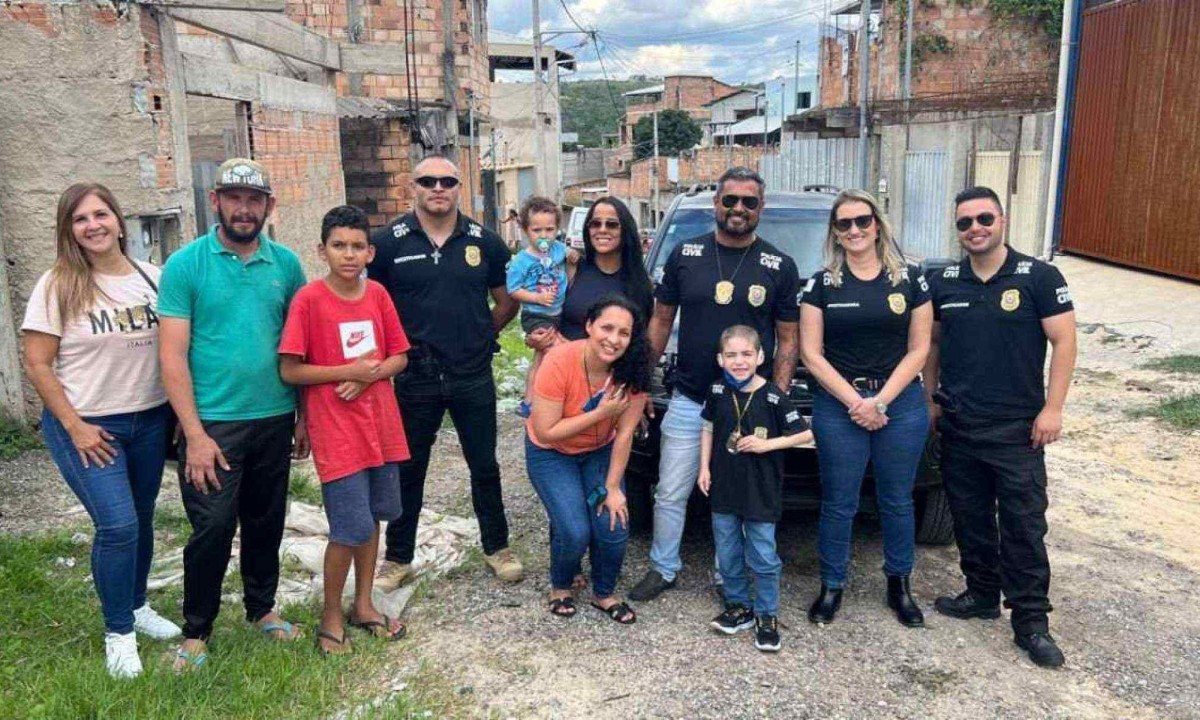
x,y
935,525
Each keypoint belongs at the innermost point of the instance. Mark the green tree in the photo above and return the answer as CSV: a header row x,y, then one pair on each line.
x,y
594,107
677,131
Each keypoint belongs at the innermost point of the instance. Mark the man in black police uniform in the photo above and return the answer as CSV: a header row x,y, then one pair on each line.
x,y
727,277
439,267
994,312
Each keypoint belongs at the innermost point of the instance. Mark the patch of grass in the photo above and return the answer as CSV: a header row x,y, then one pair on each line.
x,y
1189,364
17,438
52,654
304,488
1181,411
511,364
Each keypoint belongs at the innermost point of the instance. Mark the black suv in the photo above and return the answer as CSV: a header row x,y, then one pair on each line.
x,y
796,224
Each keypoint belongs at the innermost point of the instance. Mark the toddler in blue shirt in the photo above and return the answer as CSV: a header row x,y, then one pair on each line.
x,y
537,276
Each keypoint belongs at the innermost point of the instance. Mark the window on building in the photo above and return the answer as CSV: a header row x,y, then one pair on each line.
x,y
803,100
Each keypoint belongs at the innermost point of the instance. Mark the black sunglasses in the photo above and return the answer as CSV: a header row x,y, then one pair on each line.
x,y
964,223
610,224
750,202
862,221
429,182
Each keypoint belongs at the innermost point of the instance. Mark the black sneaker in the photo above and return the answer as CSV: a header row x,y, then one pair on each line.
x,y
1041,648
766,633
968,605
650,587
735,619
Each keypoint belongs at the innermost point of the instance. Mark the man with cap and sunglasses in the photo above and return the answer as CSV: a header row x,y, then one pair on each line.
x,y
727,277
440,267
222,301
994,312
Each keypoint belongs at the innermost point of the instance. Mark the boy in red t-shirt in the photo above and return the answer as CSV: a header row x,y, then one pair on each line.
x,y
342,342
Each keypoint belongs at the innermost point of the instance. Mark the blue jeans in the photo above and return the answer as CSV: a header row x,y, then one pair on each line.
x,y
678,467
843,449
740,543
120,500
563,483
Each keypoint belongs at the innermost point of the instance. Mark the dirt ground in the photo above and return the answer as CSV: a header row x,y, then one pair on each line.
x,y
1123,549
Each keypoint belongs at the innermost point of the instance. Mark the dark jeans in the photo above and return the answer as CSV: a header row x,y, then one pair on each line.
x,y
254,493
424,398
843,449
563,483
120,501
989,469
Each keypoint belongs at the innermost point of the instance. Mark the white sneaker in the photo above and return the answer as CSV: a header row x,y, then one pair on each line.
x,y
151,624
121,655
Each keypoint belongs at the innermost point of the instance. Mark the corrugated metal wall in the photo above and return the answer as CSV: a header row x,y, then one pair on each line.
x,y
1133,183
926,203
1024,206
812,161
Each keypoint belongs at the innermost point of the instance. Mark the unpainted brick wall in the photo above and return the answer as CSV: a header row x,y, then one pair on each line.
x,y
376,160
983,49
302,152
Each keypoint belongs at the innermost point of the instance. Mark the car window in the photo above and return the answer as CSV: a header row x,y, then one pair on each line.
x,y
798,232
575,226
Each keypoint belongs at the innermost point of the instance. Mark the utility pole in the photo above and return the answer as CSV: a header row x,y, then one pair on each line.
x,y
471,153
864,79
908,45
539,147
766,114
795,84
654,173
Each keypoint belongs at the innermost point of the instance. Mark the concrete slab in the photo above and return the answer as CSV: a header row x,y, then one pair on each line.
x,y
1131,302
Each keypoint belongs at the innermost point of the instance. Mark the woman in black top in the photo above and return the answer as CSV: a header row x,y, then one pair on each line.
x,y
612,263
865,325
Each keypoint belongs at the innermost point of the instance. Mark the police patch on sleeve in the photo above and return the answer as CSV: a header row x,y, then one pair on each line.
x,y
1063,295
718,389
773,398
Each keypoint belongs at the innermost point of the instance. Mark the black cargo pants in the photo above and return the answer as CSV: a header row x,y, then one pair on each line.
x,y
991,473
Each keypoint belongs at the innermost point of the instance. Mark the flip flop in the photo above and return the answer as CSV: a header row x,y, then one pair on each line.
x,y
191,661
618,611
340,642
563,607
289,630
380,629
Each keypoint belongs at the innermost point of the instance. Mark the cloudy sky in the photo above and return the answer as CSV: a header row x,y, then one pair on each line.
x,y
733,40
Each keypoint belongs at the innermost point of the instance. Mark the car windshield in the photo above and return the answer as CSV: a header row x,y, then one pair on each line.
x,y
798,232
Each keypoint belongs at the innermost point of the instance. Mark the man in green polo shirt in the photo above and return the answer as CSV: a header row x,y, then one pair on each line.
x,y
222,301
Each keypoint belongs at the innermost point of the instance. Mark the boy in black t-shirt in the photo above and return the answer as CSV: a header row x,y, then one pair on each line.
x,y
752,421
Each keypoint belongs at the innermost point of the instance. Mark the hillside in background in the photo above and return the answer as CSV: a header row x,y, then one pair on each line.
x,y
589,109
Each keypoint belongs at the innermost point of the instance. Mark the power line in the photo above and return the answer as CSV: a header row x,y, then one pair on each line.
x,y
727,30
607,82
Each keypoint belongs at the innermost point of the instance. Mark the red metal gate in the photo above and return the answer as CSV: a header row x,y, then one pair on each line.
x,y
1133,180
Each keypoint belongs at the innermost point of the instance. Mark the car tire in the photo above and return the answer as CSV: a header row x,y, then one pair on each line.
x,y
935,524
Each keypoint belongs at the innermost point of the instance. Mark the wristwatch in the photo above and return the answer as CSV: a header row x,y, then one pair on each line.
x,y
881,407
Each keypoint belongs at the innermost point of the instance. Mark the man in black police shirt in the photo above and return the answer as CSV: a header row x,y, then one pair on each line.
x,y
994,312
439,267
728,277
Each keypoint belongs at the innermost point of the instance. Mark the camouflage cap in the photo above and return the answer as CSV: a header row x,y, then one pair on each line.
x,y
243,173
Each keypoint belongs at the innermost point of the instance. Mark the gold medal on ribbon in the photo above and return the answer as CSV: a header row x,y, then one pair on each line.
x,y
724,293
731,443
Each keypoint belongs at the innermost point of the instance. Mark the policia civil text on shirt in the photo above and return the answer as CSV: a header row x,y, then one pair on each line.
x,y
440,267
994,313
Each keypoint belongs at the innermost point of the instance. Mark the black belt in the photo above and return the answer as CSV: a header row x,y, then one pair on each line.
x,y
868,384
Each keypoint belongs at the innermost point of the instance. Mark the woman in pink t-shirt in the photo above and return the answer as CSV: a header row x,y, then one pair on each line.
x,y
587,402
90,337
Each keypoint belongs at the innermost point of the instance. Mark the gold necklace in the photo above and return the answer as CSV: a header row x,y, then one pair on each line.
x,y
739,413
723,291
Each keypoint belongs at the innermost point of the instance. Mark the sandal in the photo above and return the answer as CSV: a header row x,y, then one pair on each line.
x,y
380,629
619,612
343,642
290,631
563,607
186,661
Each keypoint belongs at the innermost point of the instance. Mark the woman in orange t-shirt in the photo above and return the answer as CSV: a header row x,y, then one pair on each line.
x,y
587,401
